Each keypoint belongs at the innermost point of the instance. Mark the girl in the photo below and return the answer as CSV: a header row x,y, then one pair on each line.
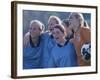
x,y
63,53
33,47
82,35
49,40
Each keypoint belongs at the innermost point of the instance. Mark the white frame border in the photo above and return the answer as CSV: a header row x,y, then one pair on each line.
x,y
21,72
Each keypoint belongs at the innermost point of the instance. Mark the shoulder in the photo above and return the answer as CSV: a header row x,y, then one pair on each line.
x,y
85,29
86,34
45,34
71,44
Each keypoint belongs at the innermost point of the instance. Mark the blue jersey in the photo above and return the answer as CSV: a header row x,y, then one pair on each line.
x,y
32,55
63,56
48,45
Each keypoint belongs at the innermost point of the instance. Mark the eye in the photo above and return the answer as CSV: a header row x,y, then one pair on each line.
x,y
34,29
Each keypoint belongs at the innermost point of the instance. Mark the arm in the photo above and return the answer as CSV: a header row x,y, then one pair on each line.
x,y
26,39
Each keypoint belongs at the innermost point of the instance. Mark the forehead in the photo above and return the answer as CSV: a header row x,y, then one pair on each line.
x,y
56,30
52,20
72,16
34,24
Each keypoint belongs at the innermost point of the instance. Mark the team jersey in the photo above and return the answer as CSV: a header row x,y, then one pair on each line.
x,y
32,55
48,46
63,56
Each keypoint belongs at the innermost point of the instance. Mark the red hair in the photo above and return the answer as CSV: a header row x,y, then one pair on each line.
x,y
60,27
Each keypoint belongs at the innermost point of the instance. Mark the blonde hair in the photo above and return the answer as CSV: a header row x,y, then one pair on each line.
x,y
57,19
78,16
41,25
60,27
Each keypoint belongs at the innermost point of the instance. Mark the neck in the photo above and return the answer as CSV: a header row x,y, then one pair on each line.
x,y
62,42
76,29
35,41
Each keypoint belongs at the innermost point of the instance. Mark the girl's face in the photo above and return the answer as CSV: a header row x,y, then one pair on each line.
x,y
74,23
35,30
58,35
51,24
